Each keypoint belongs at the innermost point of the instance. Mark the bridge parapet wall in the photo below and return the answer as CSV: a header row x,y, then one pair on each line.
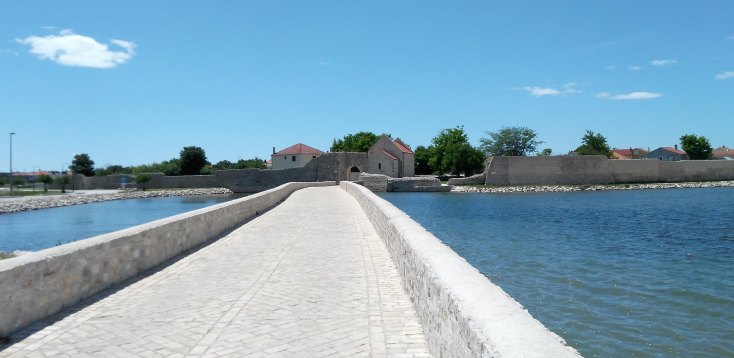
x,y
39,284
463,314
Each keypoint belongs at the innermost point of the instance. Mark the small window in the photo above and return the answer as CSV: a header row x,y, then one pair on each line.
x,y
285,157
293,158
314,157
379,166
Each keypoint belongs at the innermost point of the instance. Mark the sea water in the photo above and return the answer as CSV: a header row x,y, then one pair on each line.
x,y
642,273
40,229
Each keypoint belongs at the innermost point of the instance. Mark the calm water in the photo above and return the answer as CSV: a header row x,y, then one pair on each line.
x,y
40,229
646,273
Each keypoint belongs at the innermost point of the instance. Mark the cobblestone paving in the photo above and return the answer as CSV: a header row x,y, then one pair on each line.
x,y
309,278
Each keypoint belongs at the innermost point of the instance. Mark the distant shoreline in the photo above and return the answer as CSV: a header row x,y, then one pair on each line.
x,y
55,201
596,187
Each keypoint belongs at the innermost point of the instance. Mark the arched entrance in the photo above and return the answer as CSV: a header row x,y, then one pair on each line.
x,y
354,174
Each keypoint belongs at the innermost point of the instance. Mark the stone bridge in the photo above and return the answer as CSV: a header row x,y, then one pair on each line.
x,y
305,269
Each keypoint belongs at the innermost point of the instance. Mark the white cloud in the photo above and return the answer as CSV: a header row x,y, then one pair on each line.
x,y
724,75
70,49
324,63
663,63
634,68
568,88
730,38
542,91
629,96
611,67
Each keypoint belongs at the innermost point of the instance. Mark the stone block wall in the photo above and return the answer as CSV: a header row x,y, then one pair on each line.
x,y
328,167
374,182
463,314
578,170
414,184
476,179
38,284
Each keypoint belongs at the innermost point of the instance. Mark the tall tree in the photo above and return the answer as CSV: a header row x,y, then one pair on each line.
x,y
82,164
422,155
357,142
594,144
142,179
46,180
697,147
63,180
510,141
452,153
193,159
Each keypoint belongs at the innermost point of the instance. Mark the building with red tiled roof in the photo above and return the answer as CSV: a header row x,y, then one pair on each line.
x,y
723,153
390,157
294,156
632,153
667,153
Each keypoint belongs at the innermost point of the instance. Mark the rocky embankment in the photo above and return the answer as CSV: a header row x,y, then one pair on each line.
x,y
570,188
45,202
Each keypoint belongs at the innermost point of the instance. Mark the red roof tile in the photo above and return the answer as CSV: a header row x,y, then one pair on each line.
x,y
622,153
390,155
299,148
723,152
402,146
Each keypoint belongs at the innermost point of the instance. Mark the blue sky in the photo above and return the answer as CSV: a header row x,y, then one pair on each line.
x,y
132,82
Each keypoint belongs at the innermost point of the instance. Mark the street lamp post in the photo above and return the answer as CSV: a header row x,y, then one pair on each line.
x,y
11,163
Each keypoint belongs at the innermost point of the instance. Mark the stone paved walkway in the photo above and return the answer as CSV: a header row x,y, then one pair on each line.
x,y
309,278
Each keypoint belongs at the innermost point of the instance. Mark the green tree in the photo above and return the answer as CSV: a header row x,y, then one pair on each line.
x,y
422,155
142,179
545,152
697,147
357,142
223,164
452,153
2,182
63,180
193,159
82,164
255,163
510,141
45,179
18,181
594,144
112,170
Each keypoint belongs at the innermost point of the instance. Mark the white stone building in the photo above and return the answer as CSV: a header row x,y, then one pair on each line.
x,y
391,157
294,156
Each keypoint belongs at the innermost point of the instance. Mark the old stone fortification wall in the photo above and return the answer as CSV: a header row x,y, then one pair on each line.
x,y
381,183
328,167
463,314
475,179
589,170
39,284
416,184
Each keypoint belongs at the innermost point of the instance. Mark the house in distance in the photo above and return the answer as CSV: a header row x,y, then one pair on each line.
x,y
294,156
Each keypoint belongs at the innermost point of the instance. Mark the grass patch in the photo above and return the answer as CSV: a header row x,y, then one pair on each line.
x,y
6,255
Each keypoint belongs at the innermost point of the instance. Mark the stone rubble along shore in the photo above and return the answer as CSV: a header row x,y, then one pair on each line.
x,y
54,201
573,188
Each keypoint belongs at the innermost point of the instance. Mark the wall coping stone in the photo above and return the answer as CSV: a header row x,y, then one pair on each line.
x,y
462,313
